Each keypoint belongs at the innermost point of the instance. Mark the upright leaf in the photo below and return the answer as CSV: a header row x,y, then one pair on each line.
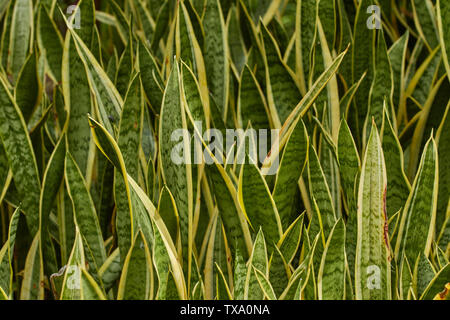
x,y
84,211
418,219
331,277
373,253
22,161
216,54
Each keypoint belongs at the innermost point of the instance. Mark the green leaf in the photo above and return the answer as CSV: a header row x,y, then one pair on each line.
x,y
110,270
305,27
77,100
278,272
108,146
264,284
363,61
233,218
282,91
373,267
215,54
252,106
22,161
223,292
290,241
129,137
258,204
349,165
109,102
50,42
21,36
136,280
151,77
5,172
176,167
405,280
71,289
164,248
121,21
235,41
397,56
84,211
423,274
90,290
28,89
162,22
438,283
331,277
184,36
6,257
33,277
124,69
167,209
290,170
381,90
240,274
51,183
425,21
87,20
303,106
419,131
418,219
145,18
398,186
78,284
443,16
320,191
327,16
258,260
443,202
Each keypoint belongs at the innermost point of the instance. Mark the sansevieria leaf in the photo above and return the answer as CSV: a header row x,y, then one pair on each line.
x,y
373,252
77,94
84,211
282,95
136,282
443,142
175,156
259,205
216,54
109,102
291,167
398,185
303,106
259,261
331,277
78,284
21,157
49,42
349,165
21,37
33,280
6,256
442,16
418,219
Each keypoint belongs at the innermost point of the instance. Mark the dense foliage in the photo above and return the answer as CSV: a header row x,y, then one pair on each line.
x,y
100,196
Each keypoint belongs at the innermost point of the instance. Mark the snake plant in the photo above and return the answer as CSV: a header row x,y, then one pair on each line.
x,y
232,149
